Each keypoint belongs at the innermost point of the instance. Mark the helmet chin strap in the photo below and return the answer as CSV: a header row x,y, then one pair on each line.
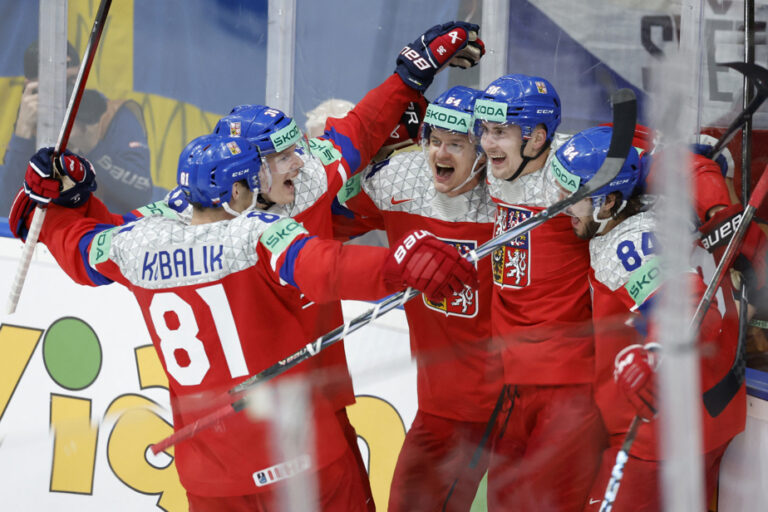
x,y
602,223
527,159
252,206
475,171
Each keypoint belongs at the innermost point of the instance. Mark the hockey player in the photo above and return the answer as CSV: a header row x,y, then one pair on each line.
x,y
620,228
441,189
305,179
212,293
550,435
307,175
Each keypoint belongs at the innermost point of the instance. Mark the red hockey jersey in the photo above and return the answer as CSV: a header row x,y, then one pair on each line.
x,y
459,372
541,315
624,276
213,300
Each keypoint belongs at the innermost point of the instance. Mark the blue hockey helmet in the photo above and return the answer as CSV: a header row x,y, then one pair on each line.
x,y
269,129
577,161
452,111
211,164
526,101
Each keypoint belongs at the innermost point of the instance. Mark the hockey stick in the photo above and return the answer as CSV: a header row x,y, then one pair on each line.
x,y
721,393
61,145
624,118
617,473
718,396
759,77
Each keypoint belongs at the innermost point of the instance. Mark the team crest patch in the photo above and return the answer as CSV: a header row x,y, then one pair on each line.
x,y
462,304
511,263
541,87
234,129
233,148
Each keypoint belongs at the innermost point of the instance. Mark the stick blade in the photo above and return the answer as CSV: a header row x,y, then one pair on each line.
x,y
758,74
624,105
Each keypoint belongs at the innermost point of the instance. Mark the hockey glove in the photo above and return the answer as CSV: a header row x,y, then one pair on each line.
x,y
724,160
70,185
177,199
751,260
455,43
634,369
419,260
41,187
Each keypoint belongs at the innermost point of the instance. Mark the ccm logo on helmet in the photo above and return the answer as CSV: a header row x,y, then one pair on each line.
x,y
408,243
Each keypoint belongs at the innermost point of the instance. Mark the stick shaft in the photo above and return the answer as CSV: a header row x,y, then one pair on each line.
x,y
625,111
61,145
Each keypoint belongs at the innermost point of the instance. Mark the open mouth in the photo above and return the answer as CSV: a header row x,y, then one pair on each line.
x,y
288,183
443,172
497,160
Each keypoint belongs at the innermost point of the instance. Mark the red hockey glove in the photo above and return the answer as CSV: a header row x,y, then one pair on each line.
x,y
421,261
41,187
455,43
751,260
724,160
634,369
70,187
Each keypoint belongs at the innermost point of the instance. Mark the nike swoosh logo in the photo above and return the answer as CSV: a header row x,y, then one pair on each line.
x,y
591,501
398,201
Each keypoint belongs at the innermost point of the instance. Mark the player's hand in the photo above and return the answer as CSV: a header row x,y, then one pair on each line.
x,y
454,43
751,260
724,160
634,369
177,199
421,261
70,185
26,123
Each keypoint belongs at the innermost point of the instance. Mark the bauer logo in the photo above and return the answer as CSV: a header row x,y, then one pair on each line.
x,y
448,119
282,471
493,111
511,263
464,303
408,243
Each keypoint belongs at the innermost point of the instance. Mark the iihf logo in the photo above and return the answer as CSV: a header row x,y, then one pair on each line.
x,y
511,262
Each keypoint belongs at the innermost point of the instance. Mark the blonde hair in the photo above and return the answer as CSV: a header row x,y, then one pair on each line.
x,y
316,117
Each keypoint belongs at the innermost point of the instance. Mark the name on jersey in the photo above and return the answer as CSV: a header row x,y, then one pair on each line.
x,y
282,471
511,263
182,262
464,303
